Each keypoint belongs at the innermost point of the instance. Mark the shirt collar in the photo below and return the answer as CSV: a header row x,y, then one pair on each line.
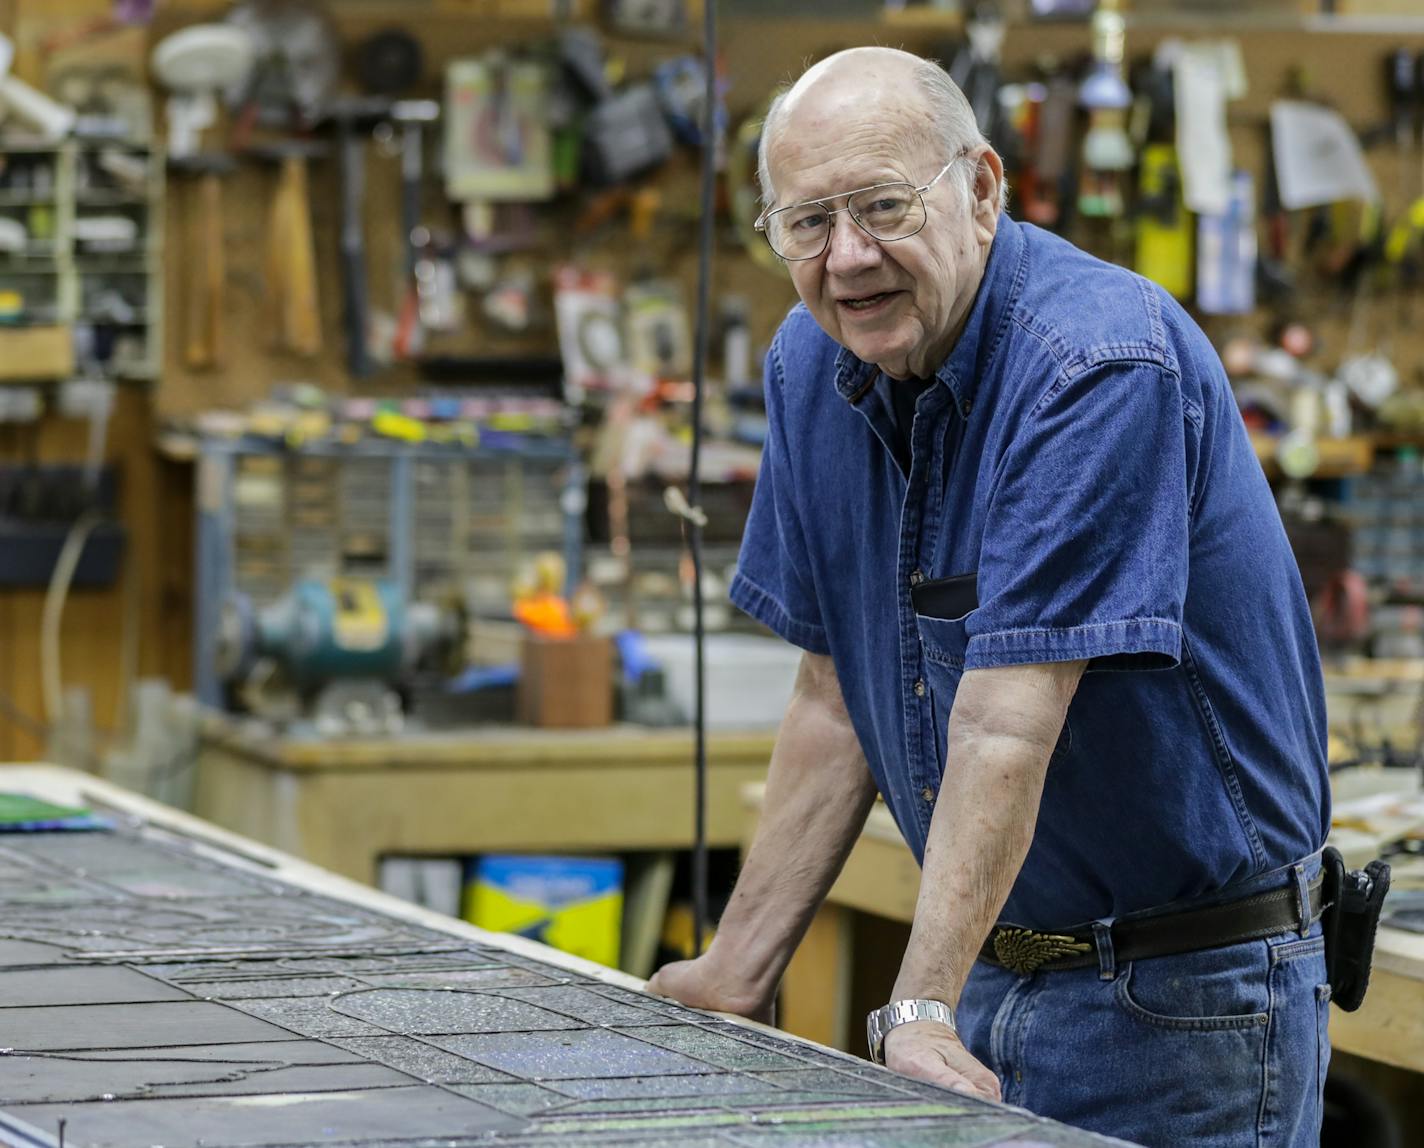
x,y
993,304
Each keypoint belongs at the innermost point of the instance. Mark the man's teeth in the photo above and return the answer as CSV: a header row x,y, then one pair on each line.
x,y
861,304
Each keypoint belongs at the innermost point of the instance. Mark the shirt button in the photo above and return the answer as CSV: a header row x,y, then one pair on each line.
x,y
927,793
920,688
965,407
916,577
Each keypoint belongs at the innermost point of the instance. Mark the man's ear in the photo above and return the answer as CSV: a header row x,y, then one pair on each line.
x,y
988,177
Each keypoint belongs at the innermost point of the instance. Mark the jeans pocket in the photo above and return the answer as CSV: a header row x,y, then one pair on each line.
x,y
1297,1051
1211,990
1322,1042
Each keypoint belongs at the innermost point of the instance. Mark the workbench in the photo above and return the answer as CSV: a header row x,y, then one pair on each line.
x,y
166,982
342,804
881,878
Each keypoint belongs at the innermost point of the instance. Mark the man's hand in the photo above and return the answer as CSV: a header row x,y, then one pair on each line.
x,y
700,984
928,1050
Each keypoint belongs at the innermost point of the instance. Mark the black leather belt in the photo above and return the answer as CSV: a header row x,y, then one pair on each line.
x,y
1026,951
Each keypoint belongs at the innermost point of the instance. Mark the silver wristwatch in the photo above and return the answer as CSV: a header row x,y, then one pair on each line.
x,y
879,1023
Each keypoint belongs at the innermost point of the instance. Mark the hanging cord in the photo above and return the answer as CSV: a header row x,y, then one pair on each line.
x,y
694,517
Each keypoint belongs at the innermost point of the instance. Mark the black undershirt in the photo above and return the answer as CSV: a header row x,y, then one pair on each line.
x,y
901,397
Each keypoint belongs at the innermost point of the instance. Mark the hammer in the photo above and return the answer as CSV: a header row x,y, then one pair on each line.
x,y
206,273
412,116
350,115
291,304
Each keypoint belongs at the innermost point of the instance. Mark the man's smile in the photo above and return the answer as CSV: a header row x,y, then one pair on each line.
x,y
866,304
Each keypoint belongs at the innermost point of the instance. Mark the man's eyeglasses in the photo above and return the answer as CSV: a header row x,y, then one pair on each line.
x,y
886,211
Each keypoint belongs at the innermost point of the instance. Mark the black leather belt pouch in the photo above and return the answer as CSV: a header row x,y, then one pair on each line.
x,y
1353,900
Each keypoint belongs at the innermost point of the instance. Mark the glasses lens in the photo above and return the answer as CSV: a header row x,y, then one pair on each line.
x,y
890,211
798,232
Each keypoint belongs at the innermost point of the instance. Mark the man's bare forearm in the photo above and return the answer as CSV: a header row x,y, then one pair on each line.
x,y
1002,731
818,793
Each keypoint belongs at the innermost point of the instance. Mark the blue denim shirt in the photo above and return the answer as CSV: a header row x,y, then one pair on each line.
x,y
1082,454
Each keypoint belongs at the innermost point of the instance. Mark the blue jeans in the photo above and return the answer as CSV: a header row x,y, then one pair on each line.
x,y
1219,1048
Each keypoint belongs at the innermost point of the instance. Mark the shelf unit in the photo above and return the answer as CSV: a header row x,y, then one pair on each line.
x,y
439,521
114,296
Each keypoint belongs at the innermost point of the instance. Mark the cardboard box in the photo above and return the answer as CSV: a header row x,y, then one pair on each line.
x,y
566,683
29,353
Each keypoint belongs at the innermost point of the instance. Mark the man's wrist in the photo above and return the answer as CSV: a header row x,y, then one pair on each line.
x,y
882,1021
743,970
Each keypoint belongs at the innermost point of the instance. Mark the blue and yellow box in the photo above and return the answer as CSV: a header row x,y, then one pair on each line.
x,y
572,903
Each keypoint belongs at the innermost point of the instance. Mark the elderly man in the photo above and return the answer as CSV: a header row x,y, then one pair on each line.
x,y
1009,511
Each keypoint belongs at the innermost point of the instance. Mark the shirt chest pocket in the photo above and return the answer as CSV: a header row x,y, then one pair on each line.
x,y
943,642
942,607
942,645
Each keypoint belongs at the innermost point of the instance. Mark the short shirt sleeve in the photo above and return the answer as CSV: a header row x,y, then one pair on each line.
x,y
1084,553
773,582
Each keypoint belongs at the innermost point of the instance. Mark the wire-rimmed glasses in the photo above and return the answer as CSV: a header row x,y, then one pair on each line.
x,y
884,211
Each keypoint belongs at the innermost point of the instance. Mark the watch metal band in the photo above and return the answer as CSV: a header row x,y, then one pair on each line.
x,y
879,1023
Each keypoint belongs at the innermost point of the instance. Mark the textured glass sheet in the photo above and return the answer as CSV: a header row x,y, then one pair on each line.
x,y
491,977
515,1099
291,1050
81,985
588,1007
437,1011
167,931
290,1118
270,1017
830,1080
580,1052
308,1016
716,1049
14,954
620,1087
272,987
61,1078
770,1104
153,1025
137,867
422,1060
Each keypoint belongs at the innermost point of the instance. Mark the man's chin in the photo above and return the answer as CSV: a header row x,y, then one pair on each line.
x,y
898,358
889,356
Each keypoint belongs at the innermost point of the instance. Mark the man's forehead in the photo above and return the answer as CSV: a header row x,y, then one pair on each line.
x,y
819,155
840,94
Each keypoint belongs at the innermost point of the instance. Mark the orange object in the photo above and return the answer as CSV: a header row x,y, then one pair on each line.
x,y
546,615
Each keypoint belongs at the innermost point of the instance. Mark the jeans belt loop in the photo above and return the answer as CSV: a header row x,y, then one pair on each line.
x,y
1107,957
1302,898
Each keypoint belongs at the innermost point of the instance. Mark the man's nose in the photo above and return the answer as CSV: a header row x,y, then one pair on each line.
x,y
851,249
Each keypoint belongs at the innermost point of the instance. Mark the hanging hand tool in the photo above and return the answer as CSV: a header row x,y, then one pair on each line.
x,y
291,301
1107,150
351,117
975,67
205,265
1049,145
411,116
1406,104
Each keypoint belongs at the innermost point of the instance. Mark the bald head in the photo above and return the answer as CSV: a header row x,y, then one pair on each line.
x,y
910,95
854,78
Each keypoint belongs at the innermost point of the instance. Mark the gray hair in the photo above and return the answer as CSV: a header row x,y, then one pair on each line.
x,y
954,128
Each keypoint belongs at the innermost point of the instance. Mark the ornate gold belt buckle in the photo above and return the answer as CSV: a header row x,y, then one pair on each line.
x,y
1023,950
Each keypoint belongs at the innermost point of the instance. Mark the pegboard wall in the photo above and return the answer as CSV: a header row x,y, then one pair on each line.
x,y
1343,63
